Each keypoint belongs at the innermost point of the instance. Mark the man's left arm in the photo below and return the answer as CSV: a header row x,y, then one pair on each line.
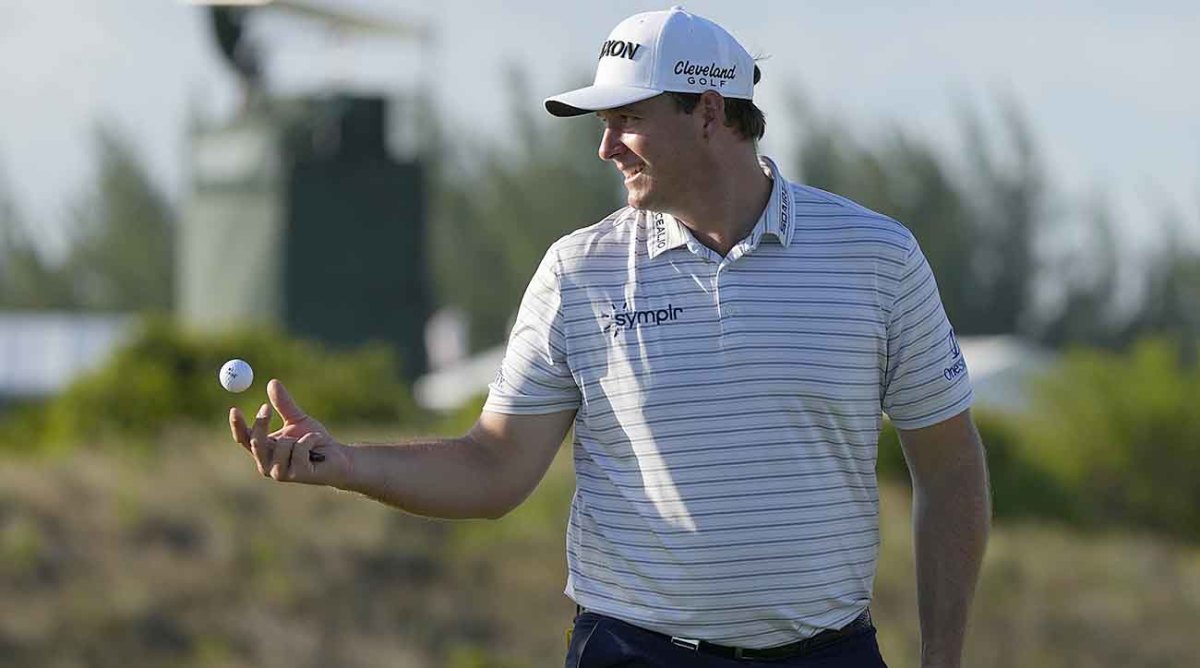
x,y
951,519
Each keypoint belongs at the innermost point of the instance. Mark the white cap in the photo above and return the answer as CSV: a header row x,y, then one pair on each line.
x,y
655,52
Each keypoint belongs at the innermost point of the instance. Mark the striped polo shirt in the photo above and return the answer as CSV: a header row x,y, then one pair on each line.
x,y
728,408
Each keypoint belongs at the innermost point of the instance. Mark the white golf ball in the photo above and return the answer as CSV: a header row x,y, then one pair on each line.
x,y
236,375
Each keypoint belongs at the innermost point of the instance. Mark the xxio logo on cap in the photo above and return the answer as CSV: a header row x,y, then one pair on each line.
x,y
623,319
618,48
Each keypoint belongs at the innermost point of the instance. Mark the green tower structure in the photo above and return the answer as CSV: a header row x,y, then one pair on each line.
x,y
300,217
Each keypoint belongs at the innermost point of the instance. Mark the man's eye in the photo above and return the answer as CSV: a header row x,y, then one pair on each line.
x,y
615,120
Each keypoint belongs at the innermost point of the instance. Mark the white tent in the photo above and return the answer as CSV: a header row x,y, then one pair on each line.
x,y
42,352
1002,368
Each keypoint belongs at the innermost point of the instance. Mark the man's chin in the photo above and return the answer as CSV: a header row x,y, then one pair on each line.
x,y
637,200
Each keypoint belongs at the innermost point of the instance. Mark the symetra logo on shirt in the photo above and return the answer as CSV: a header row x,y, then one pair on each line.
x,y
960,363
623,319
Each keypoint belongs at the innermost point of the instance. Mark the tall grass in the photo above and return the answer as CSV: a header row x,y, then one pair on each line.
x,y
189,558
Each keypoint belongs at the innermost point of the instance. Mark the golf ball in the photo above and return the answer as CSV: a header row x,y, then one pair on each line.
x,y
236,375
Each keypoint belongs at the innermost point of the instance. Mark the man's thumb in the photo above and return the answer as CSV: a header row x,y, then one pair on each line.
x,y
283,402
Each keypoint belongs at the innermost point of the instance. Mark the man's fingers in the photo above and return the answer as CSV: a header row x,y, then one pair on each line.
x,y
305,451
281,459
283,402
275,452
238,428
262,421
302,454
260,445
289,431
262,456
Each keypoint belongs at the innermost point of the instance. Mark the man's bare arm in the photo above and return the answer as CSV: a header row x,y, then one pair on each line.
x,y
951,520
483,474
486,473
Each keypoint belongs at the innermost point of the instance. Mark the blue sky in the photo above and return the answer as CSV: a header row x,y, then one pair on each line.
x,y
1109,87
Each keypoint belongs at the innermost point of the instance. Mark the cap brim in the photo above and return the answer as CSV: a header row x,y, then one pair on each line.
x,y
596,98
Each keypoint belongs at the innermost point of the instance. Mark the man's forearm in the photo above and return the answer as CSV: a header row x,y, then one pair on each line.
x,y
445,478
951,519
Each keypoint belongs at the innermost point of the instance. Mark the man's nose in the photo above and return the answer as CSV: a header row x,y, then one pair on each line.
x,y
610,144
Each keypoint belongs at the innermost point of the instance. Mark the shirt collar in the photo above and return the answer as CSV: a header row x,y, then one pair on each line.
x,y
776,218
665,232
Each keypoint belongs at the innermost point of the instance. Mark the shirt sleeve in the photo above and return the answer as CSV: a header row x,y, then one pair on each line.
x,y
925,380
534,377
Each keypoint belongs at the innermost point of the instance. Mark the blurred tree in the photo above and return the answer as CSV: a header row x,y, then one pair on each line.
x,y
977,225
1109,304
122,236
1009,256
27,279
1171,303
1011,211
1082,272
903,178
497,210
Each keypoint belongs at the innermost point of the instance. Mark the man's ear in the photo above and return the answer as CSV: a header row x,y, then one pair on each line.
x,y
712,112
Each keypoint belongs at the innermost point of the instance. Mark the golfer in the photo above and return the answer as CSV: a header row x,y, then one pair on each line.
x,y
724,347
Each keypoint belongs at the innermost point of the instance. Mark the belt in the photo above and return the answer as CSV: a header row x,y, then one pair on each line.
x,y
859,625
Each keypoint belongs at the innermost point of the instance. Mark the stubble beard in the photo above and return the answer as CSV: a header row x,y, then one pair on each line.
x,y
641,196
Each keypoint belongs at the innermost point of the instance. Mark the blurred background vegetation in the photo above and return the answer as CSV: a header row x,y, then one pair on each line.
x,y
133,533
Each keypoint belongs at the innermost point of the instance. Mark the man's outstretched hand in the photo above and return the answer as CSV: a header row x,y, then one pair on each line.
x,y
300,451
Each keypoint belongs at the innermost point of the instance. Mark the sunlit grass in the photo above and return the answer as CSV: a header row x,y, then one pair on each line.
x,y
188,557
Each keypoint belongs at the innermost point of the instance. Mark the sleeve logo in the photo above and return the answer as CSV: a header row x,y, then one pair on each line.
x,y
960,363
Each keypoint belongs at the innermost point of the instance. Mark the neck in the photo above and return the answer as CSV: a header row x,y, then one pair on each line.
x,y
724,206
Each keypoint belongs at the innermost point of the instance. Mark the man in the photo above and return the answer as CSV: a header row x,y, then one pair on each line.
x,y
723,347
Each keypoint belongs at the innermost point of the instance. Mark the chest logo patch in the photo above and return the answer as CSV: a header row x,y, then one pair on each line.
x,y
623,319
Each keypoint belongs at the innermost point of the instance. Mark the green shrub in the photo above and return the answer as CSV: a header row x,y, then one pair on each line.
x,y
1121,432
461,419
890,460
166,376
1020,486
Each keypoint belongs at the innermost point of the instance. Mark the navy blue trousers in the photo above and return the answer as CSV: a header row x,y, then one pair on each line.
x,y
598,641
